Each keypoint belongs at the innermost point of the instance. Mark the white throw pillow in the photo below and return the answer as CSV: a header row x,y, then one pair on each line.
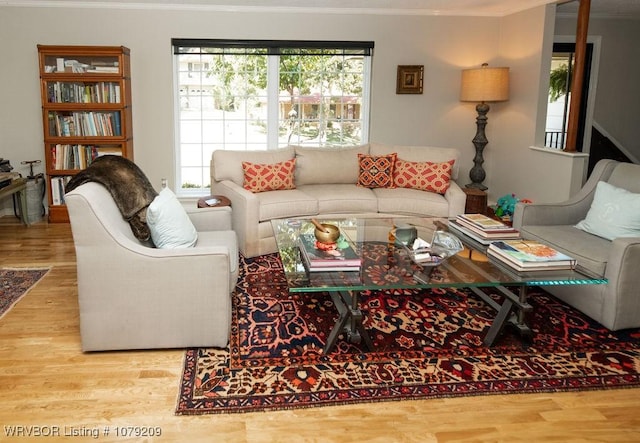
x,y
169,223
614,212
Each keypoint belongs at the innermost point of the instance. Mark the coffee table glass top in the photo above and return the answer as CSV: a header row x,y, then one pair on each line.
x,y
387,265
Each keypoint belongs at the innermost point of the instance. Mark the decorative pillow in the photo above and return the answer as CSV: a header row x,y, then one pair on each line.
x,y
270,177
614,212
169,223
376,171
425,176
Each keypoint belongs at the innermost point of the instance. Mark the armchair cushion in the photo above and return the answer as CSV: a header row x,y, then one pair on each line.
x,y
169,223
614,212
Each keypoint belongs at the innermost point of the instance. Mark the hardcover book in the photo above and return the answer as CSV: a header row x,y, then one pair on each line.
x,y
529,255
484,237
339,256
483,222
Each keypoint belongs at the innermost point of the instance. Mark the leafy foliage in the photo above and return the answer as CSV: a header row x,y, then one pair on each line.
x,y
559,82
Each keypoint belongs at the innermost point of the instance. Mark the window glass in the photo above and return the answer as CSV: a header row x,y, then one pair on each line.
x,y
259,95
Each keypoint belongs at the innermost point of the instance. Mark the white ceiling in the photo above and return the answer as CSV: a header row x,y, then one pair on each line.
x,y
608,8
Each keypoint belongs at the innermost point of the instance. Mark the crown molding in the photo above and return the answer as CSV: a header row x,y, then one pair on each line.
x,y
194,6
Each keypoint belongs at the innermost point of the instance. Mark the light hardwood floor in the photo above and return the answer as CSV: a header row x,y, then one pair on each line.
x,y
46,381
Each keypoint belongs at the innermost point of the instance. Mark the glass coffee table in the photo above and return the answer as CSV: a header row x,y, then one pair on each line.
x,y
387,264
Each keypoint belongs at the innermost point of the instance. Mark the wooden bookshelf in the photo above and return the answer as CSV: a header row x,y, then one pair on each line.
x,y
86,112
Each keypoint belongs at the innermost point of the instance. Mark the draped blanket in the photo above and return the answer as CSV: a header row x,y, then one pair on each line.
x,y
128,185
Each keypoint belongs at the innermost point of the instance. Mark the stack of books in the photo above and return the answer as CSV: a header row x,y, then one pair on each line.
x,y
320,257
482,228
529,255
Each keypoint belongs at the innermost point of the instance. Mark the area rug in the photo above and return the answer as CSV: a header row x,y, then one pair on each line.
x,y
15,283
428,344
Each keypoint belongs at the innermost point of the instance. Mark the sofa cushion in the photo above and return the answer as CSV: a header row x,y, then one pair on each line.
x,y
411,201
284,204
420,154
269,177
342,198
227,165
376,171
591,251
425,176
328,165
170,226
614,212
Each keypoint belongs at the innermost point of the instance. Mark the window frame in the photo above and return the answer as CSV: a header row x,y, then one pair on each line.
x,y
273,49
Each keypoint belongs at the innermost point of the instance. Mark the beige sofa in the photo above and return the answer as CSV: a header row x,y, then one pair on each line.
x,y
616,304
325,180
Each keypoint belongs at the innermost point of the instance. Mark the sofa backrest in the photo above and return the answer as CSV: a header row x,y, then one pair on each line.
x,y
323,165
316,166
626,176
420,154
227,165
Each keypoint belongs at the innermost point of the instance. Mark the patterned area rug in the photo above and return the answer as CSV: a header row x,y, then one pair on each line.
x,y
15,283
428,344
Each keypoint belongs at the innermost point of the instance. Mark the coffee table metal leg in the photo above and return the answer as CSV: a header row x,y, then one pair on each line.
x,y
350,321
512,311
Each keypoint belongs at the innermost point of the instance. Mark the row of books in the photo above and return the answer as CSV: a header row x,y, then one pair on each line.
x,y
322,258
482,228
79,156
75,66
80,124
58,189
101,92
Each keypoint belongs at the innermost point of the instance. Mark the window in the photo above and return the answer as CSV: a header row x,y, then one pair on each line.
x,y
259,95
560,95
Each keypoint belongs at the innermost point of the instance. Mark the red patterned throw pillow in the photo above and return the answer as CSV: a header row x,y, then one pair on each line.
x,y
376,171
425,176
269,177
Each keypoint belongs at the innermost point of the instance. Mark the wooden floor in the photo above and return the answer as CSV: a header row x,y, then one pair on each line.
x,y
46,381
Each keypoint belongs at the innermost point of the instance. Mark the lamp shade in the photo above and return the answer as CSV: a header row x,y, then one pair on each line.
x,y
485,84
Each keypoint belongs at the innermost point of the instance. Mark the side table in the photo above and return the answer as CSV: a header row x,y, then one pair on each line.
x,y
222,201
476,201
18,186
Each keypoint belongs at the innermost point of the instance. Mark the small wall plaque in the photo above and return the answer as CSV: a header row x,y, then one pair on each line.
x,y
410,78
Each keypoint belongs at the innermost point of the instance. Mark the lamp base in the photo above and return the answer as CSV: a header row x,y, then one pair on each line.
x,y
477,174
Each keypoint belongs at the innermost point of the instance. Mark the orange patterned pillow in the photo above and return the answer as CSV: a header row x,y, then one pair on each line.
x,y
426,176
376,171
270,177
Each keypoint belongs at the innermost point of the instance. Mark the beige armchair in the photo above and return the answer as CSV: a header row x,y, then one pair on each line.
x,y
615,305
134,296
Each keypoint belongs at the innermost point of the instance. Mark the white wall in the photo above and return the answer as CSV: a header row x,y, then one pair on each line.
x,y
444,45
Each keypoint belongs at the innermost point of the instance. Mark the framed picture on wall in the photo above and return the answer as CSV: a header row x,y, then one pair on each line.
x,y
410,78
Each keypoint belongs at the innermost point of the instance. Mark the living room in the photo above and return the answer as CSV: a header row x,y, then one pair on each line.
x,y
444,44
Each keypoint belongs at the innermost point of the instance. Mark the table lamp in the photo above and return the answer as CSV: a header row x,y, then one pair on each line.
x,y
482,85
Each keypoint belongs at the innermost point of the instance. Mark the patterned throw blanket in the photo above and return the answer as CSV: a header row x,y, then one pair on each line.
x,y
128,185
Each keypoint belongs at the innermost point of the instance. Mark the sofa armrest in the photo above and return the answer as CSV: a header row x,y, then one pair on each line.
x,y
245,214
624,262
622,303
457,199
210,219
567,213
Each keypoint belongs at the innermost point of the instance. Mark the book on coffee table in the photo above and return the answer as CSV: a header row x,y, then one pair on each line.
x,y
322,257
484,237
483,222
524,255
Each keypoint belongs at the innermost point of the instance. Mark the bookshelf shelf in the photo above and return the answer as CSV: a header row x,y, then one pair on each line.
x,y
86,112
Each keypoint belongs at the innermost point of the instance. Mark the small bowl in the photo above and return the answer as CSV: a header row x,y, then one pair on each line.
x,y
327,237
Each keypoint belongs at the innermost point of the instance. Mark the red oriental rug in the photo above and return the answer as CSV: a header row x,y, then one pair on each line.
x,y
428,344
